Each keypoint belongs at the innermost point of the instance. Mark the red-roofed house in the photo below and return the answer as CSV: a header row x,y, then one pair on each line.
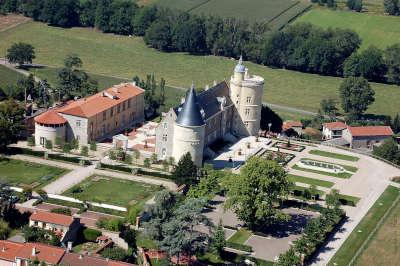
x,y
333,130
297,126
74,259
63,225
93,117
21,254
366,137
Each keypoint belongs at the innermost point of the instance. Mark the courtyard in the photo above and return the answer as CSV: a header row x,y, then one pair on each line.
x,y
22,174
114,191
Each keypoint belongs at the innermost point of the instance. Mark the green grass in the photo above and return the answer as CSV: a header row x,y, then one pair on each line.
x,y
8,76
360,234
276,12
240,236
20,173
125,57
310,181
113,191
340,175
377,30
347,167
144,242
334,155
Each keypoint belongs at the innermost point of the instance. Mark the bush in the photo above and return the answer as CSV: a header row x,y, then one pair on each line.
x,y
49,144
93,146
61,210
110,224
114,253
31,141
84,151
91,234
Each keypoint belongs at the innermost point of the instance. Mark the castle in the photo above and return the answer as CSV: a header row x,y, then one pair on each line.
x,y
220,112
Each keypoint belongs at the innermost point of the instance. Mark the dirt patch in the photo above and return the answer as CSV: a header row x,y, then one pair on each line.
x,y
12,20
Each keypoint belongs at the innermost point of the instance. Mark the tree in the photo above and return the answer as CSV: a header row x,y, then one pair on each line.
x,y
208,185
269,117
114,253
20,53
61,13
91,234
153,158
289,258
84,151
332,199
389,150
146,162
36,234
185,171
392,60
4,230
102,15
121,15
48,144
391,7
159,35
58,141
93,146
257,206
356,95
31,141
6,202
143,19
67,147
328,107
180,235
396,124
11,122
355,5
218,241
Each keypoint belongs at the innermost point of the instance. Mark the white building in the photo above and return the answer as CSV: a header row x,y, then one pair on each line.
x,y
221,112
333,130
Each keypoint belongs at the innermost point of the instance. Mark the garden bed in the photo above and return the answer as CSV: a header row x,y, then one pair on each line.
x,y
288,146
281,158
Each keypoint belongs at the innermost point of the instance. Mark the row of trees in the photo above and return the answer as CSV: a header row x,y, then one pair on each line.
x,y
392,7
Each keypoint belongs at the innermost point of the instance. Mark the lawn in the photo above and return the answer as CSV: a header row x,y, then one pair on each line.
x,y
360,234
310,181
112,190
383,249
275,12
20,173
8,77
240,236
124,57
339,175
334,155
378,30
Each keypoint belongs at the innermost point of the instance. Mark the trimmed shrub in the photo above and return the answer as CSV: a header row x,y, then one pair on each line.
x,y
91,234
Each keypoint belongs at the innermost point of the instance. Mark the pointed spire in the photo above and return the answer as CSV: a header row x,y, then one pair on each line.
x,y
240,68
190,114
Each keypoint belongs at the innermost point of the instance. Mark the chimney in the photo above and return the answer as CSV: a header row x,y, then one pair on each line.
x,y
34,251
69,244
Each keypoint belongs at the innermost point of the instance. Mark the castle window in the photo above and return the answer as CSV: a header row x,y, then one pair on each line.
x,y
129,103
78,123
111,111
104,115
165,125
165,137
247,111
248,100
246,124
119,108
123,106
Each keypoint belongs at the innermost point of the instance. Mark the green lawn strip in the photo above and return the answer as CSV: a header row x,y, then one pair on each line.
x,y
19,173
240,236
179,69
340,175
310,181
360,234
334,155
351,200
115,191
8,77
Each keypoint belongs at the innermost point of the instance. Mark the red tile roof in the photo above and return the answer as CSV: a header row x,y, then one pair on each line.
x,y
335,125
289,124
47,253
74,259
51,117
54,218
370,131
9,249
99,102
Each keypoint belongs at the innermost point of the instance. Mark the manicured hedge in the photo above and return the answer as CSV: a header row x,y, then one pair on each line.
x,y
61,157
238,246
139,170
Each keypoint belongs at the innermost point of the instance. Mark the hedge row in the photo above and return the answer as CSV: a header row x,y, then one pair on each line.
x,y
129,170
238,246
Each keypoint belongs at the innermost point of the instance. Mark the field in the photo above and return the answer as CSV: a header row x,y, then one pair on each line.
x,y
8,77
387,247
19,173
7,22
124,57
378,30
276,13
111,190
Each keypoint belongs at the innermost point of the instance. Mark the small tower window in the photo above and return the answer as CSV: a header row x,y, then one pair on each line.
x,y
246,124
248,100
247,111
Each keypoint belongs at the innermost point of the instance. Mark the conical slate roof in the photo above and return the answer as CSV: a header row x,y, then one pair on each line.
x,y
190,114
240,68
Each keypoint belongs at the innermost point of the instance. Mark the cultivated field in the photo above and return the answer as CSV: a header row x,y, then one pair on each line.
x,y
112,190
19,173
274,12
8,77
378,30
124,57
7,22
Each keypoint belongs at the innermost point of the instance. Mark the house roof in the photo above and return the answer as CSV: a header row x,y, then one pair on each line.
x,y
9,249
289,124
74,259
54,218
335,125
370,131
99,102
47,253
51,117
189,114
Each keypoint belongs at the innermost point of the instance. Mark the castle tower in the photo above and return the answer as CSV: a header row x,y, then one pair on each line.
x,y
246,92
189,130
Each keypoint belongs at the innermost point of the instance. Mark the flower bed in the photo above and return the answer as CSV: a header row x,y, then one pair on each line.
x,y
289,146
281,158
322,166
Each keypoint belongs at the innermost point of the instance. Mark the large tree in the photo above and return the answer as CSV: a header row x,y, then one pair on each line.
x,y
11,122
356,95
20,53
391,6
185,172
254,194
392,59
389,150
